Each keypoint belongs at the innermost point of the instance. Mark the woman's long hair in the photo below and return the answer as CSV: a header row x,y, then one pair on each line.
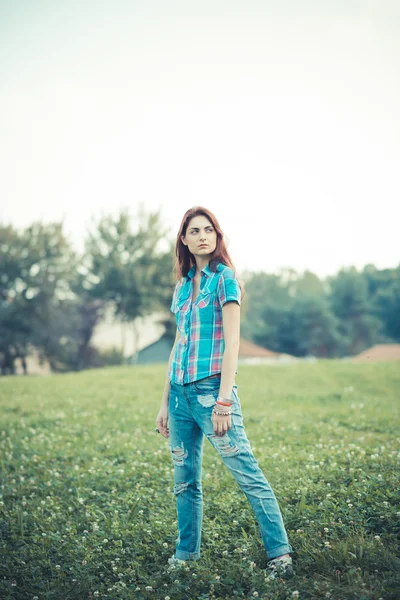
x,y
185,259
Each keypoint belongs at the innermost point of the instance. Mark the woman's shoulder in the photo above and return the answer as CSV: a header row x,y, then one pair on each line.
x,y
226,272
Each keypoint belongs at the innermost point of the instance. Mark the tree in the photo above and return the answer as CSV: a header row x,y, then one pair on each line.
x,y
127,267
268,306
314,328
36,267
348,298
384,299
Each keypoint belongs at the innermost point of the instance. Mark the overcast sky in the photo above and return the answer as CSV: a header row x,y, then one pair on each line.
x,y
280,116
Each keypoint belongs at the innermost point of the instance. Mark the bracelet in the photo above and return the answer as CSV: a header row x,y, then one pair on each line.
x,y
222,400
219,411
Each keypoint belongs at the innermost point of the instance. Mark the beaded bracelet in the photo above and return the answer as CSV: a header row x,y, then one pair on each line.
x,y
220,411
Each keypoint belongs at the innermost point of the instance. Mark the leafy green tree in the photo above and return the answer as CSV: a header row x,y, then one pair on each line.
x,y
267,311
309,284
359,328
128,264
35,267
384,299
315,329
289,313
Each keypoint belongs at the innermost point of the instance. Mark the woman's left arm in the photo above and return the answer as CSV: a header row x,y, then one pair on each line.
x,y
231,327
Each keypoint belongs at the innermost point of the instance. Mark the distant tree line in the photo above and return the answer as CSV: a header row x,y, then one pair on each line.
x,y
342,315
52,298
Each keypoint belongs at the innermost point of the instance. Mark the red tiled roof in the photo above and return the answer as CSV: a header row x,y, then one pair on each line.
x,y
248,349
379,352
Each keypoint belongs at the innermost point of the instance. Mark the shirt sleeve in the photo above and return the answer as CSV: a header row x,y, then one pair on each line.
x,y
228,287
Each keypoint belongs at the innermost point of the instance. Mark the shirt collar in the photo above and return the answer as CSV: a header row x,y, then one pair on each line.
x,y
205,270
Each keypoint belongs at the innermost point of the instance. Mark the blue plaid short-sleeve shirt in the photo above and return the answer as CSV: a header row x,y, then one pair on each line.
x,y
199,350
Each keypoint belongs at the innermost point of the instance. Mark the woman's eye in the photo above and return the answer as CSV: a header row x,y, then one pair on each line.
x,y
208,230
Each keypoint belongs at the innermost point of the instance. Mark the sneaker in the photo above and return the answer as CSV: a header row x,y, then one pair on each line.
x,y
279,567
175,563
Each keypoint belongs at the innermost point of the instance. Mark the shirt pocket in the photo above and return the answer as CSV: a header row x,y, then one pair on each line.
x,y
206,307
181,308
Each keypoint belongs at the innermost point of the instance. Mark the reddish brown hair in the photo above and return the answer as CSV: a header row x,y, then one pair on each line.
x,y
185,259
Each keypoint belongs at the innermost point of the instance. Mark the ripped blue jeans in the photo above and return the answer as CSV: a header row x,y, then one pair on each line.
x,y
189,420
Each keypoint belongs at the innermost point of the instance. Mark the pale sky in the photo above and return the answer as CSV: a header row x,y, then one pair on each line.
x,y
282,117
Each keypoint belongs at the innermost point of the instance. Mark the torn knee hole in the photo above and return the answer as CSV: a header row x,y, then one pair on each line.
x,y
224,445
180,487
178,454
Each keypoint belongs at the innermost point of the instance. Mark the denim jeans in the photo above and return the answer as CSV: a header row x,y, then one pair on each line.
x,y
189,420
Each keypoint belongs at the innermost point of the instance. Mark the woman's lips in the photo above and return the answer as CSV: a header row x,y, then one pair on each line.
x,y
203,246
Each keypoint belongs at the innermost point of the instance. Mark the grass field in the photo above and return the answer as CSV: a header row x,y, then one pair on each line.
x,y
87,507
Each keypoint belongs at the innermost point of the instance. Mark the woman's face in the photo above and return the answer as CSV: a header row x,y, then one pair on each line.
x,y
200,231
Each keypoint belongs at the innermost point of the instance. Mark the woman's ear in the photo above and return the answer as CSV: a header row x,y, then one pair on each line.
x,y
183,240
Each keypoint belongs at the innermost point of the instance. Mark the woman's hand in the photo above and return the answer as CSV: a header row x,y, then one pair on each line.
x,y
162,421
221,423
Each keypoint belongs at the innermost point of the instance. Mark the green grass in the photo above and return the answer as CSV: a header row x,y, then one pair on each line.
x,y
86,500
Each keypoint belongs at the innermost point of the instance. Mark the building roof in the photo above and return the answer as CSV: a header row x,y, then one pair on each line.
x,y
379,352
249,349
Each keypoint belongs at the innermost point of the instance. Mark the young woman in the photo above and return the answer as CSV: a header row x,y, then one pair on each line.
x,y
200,395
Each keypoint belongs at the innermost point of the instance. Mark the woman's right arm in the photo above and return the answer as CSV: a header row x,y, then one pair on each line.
x,y
165,396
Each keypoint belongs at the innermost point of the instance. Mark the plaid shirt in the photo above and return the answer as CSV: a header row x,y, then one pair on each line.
x,y
199,350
